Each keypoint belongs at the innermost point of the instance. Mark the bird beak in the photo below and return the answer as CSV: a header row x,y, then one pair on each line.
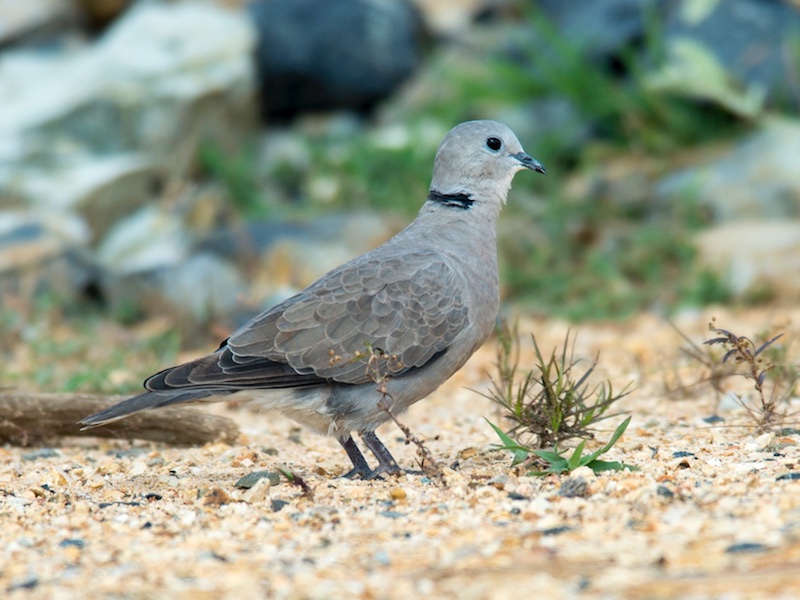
x,y
528,162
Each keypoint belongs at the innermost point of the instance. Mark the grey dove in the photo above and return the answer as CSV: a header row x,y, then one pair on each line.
x,y
406,315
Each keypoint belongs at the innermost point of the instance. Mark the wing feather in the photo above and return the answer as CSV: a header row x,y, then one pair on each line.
x,y
410,306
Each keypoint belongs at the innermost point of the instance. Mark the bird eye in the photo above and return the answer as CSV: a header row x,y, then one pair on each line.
x,y
493,144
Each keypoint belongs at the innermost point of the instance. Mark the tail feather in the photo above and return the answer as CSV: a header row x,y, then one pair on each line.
x,y
147,401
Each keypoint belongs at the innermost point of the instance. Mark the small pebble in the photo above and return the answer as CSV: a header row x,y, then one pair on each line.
x,y
277,505
516,496
130,452
746,548
398,493
664,491
556,530
574,487
25,583
391,514
40,453
713,419
251,479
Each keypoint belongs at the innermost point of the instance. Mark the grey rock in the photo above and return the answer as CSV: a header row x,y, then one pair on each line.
x,y
149,266
754,257
297,260
328,54
750,38
198,289
41,453
149,240
161,79
42,254
34,21
603,29
102,191
301,246
249,480
757,179
204,286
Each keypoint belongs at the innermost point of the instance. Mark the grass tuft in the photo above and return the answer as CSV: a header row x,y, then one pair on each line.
x,y
551,403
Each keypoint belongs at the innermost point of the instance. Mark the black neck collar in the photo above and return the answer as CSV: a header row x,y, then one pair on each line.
x,y
462,201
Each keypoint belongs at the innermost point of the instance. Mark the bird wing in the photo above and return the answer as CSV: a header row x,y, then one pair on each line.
x,y
407,308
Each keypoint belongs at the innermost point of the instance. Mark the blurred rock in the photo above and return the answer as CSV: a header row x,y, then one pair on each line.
x,y
352,233
151,263
280,258
201,288
149,267
756,258
330,54
89,135
295,261
32,21
749,40
40,254
150,240
102,191
204,286
757,179
693,71
162,79
604,30
752,39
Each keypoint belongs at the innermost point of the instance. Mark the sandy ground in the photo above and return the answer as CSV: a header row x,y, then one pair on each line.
x,y
706,516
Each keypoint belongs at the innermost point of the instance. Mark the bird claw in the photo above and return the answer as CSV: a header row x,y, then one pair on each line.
x,y
372,474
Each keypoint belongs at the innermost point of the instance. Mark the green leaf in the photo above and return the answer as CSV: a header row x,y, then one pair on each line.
x,y
617,434
548,455
610,465
559,464
577,459
520,452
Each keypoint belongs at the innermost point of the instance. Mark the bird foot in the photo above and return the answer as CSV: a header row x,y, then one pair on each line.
x,y
376,473
387,465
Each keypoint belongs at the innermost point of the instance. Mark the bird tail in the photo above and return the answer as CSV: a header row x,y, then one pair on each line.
x,y
147,401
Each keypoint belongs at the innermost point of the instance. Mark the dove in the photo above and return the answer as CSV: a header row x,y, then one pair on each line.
x,y
380,332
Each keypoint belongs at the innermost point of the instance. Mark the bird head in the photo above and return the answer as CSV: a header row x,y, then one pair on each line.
x,y
478,159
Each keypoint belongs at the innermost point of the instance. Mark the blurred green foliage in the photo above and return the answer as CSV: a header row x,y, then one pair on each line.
x,y
238,172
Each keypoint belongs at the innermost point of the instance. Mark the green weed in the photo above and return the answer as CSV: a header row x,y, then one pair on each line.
x,y
238,172
558,462
550,403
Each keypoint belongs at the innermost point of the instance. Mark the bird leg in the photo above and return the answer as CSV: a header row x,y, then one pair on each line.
x,y
360,467
386,462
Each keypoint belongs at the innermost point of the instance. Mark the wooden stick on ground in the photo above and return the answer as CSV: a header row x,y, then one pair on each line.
x,y
27,418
